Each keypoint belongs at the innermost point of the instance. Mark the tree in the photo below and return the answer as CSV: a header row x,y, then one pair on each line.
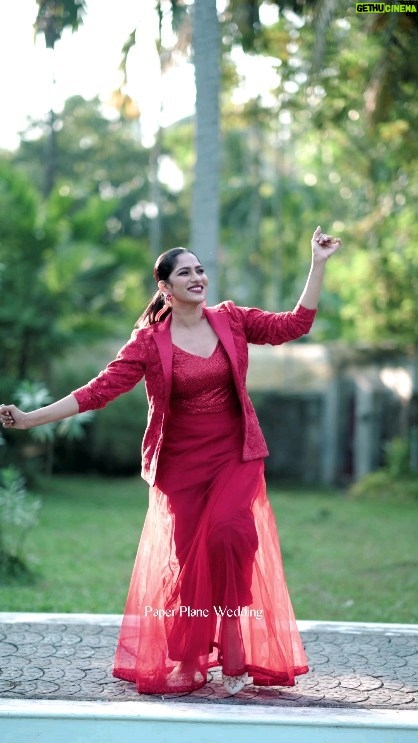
x,y
56,15
73,266
101,212
53,17
395,69
27,329
205,201
126,104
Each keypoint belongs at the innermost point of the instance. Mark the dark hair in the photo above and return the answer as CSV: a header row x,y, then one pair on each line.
x,y
164,265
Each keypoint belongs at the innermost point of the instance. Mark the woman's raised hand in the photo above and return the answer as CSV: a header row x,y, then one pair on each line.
x,y
324,246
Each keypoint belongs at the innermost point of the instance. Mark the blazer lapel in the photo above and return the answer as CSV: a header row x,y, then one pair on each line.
x,y
220,323
162,337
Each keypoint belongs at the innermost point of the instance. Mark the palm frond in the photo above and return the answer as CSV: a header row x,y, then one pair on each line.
x,y
56,15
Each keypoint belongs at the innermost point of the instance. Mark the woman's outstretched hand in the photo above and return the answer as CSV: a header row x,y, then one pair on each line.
x,y
324,246
12,417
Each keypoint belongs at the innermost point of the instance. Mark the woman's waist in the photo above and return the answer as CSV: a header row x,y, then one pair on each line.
x,y
205,407
202,435
197,422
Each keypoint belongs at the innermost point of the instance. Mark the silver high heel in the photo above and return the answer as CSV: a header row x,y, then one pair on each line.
x,y
234,684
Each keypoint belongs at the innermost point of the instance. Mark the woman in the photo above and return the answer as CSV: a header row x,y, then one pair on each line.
x,y
207,587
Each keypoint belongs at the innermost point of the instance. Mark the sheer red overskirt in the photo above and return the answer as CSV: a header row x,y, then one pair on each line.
x,y
208,586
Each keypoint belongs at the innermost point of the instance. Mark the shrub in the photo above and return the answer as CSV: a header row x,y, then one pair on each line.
x,y
113,439
18,514
394,480
31,395
397,457
382,484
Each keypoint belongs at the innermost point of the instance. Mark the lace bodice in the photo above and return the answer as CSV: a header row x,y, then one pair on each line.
x,y
202,385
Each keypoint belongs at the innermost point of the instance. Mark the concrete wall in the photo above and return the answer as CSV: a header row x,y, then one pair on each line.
x,y
328,411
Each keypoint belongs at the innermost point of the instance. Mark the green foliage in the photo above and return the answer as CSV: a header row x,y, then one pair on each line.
x,y
32,395
316,155
18,516
28,333
98,215
397,457
115,440
77,262
101,174
310,152
72,429
394,481
336,146
112,440
56,15
29,396
381,485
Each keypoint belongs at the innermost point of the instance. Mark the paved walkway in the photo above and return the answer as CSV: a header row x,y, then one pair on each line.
x,y
69,657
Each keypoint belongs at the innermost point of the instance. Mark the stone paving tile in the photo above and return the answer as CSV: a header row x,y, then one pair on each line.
x,y
370,670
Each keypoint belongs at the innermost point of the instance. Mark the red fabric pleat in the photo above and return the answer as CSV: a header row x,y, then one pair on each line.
x,y
208,586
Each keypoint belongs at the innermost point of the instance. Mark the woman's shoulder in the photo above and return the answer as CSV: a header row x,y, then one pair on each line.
x,y
139,341
226,306
235,311
143,332
145,336
237,315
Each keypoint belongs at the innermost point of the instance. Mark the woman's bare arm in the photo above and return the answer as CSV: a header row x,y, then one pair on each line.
x,y
12,417
323,247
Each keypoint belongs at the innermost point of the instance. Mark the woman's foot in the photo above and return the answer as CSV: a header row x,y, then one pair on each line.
x,y
184,675
234,684
233,655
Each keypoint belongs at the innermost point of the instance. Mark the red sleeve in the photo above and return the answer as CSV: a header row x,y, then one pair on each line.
x,y
121,375
274,327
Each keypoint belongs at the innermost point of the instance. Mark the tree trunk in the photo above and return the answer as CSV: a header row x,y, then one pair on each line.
x,y
50,155
413,418
205,200
155,196
51,140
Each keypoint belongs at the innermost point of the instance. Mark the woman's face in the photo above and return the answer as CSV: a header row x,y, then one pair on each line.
x,y
187,282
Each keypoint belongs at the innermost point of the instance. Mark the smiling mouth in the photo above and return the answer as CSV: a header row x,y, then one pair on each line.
x,y
196,289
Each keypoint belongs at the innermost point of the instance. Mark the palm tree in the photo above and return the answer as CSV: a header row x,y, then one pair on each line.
x,y
396,67
204,227
128,108
55,15
52,18
205,200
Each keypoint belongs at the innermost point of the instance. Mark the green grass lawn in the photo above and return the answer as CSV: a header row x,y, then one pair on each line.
x,y
344,559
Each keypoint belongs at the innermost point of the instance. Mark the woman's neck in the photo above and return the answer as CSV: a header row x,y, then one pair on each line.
x,y
186,316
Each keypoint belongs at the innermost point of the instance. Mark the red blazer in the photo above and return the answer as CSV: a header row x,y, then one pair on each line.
x,y
149,354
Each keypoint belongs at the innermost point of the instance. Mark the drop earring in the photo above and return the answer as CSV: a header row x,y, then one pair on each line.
x,y
166,306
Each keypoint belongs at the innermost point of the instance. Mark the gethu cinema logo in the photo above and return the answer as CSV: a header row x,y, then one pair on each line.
x,y
384,8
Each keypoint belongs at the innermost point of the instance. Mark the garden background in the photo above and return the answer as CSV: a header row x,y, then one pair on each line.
x,y
305,114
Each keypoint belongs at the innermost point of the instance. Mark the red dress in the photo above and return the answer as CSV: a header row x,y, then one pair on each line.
x,y
207,587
